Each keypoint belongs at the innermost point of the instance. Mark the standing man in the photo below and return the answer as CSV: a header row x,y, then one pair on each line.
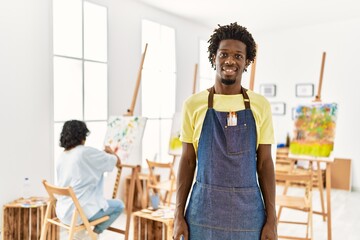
x,y
229,131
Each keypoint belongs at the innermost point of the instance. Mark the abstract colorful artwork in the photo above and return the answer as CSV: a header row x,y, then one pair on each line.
x,y
175,145
123,134
314,129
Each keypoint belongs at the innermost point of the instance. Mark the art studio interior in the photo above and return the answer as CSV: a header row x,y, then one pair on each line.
x,y
126,67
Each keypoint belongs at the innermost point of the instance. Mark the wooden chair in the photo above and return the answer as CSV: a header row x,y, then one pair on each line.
x,y
168,185
78,212
302,203
284,164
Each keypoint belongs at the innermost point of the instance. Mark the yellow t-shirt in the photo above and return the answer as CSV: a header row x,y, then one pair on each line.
x,y
195,107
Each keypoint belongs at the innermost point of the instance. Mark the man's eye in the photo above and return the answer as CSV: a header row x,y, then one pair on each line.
x,y
222,55
238,56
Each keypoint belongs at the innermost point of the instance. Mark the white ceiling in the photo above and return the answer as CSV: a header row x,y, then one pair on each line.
x,y
260,15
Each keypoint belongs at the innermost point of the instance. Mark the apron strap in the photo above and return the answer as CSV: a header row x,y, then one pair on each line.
x,y
211,97
243,92
246,98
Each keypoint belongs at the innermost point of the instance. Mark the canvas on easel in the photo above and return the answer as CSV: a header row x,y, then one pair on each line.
x,y
314,129
124,135
175,145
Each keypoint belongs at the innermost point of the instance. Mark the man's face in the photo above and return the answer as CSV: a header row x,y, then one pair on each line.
x,y
230,61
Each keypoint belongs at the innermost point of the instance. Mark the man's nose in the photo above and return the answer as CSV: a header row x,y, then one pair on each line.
x,y
229,60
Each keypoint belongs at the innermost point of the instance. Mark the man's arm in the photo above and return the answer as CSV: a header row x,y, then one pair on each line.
x,y
110,151
266,175
184,181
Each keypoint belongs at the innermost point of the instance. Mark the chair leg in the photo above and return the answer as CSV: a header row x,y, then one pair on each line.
x,y
92,235
44,230
73,225
45,226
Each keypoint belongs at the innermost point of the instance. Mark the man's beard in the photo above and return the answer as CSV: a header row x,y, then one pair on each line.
x,y
228,81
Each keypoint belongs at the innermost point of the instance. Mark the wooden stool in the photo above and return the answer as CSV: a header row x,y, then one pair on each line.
x,y
22,219
150,227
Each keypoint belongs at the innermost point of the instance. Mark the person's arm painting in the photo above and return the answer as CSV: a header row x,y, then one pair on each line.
x,y
108,149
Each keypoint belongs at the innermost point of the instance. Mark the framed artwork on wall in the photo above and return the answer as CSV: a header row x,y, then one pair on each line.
x,y
278,108
304,90
268,90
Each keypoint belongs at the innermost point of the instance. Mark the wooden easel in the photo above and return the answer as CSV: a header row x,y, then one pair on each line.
x,y
135,168
195,78
130,198
130,111
320,183
326,215
252,73
318,96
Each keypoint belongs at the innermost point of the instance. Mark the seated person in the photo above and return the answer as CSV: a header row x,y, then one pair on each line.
x,y
83,168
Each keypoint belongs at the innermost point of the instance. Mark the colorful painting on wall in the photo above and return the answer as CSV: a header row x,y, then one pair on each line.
x,y
314,129
124,134
175,145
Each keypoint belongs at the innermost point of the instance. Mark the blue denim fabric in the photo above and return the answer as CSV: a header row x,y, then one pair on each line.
x,y
226,202
114,210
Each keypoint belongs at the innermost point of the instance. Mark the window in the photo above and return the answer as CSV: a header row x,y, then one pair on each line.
x,y
206,73
158,88
80,68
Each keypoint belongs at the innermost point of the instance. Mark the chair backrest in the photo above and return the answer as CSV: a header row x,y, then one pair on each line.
x,y
152,176
168,185
55,191
303,178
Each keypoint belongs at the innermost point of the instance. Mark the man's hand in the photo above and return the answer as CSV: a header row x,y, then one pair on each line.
x,y
269,232
110,151
180,229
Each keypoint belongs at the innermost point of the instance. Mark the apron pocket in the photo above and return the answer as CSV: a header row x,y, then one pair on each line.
x,y
237,139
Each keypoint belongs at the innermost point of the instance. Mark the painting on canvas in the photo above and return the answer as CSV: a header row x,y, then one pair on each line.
x,y
175,145
314,129
124,135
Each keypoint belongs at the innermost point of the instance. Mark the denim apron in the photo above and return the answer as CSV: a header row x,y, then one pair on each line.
x,y
226,202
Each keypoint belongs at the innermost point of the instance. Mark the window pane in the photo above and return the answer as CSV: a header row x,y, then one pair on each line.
x,y
158,88
97,134
165,139
57,130
151,35
67,89
167,94
151,139
67,27
95,32
57,149
167,39
95,91
150,99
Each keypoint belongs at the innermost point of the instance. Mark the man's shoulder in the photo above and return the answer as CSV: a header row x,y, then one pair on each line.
x,y
197,98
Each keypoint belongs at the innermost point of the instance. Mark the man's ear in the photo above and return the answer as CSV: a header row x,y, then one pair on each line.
x,y
213,59
247,63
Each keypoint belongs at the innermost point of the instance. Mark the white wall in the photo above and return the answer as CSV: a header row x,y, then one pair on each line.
x,y
25,96
294,56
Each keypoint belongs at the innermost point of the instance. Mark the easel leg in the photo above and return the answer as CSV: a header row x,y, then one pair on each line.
x,y
328,198
321,191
